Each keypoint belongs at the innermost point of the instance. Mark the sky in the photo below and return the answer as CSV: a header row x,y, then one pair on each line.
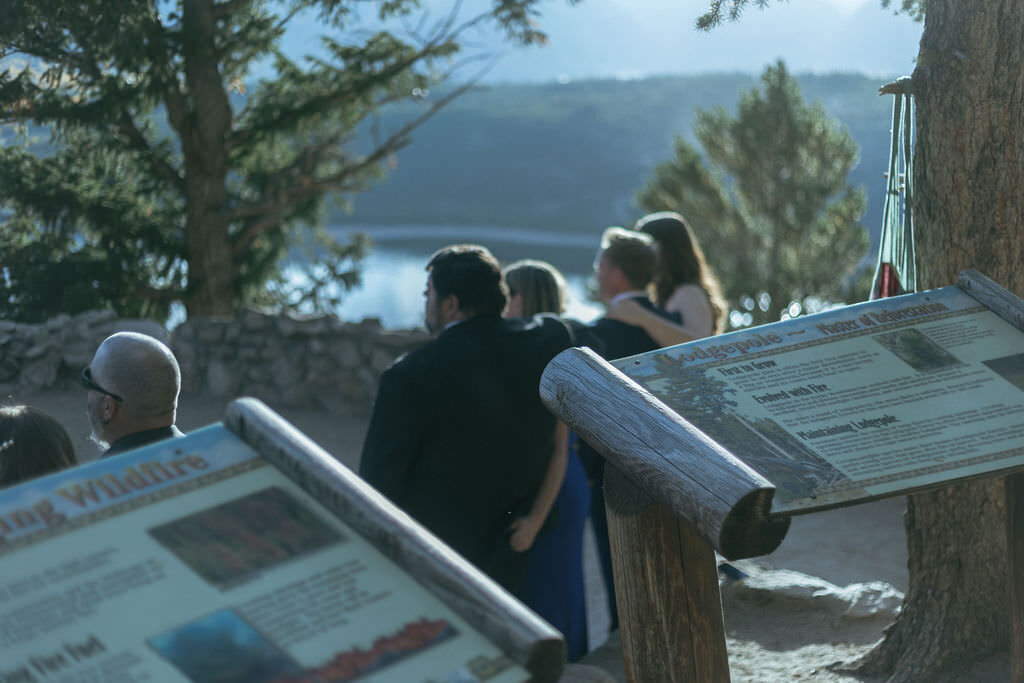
x,y
641,38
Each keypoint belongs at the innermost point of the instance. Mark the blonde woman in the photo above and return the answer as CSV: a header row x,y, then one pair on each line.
x,y
553,528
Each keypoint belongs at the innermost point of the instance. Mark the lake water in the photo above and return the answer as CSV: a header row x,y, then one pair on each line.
x,y
393,275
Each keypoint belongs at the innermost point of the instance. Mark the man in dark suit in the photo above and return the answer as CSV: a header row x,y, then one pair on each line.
x,y
459,438
624,265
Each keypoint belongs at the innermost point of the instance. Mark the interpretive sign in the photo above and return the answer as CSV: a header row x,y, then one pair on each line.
x,y
864,401
198,559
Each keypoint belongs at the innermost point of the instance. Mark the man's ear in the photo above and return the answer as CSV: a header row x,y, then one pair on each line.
x,y
109,409
450,307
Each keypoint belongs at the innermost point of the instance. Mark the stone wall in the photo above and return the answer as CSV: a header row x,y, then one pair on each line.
x,y
315,362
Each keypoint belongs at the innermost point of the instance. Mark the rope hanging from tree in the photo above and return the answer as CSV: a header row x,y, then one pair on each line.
x,y
896,272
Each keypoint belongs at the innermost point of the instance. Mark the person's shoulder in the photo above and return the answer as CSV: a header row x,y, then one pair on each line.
x,y
413,358
687,293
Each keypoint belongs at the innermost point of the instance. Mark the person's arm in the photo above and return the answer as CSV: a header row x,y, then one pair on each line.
x,y
391,438
662,330
525,529
689,301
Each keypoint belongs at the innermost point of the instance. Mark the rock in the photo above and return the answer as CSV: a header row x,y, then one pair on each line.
x,y
57,323
9,369
285,373
96,317
77,355
41,373
39,348
248,354
347,355
314,326
381,360
220,380
286,326
857,600
871,599
210,333
400,340
253,321
370,324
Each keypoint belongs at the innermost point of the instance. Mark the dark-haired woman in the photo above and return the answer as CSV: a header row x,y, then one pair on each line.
x,y
31,444
683,284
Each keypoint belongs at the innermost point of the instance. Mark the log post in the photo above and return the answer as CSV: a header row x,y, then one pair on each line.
x,y
673,496
666,582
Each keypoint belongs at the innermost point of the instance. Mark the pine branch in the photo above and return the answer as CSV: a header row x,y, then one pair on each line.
x,y
286,120
229,8
306,186
137,141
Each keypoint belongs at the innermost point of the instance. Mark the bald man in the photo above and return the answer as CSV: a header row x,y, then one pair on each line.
x,y
133,382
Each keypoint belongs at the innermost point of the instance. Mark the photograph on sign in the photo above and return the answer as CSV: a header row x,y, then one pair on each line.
x,y
197,560
856,403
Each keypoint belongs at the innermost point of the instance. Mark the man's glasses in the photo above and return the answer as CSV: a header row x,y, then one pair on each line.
x,y
89,383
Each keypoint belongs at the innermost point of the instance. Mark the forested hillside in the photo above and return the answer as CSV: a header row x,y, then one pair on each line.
x,y
570,157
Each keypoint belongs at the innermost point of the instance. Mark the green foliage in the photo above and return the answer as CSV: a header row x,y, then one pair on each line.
x,y
768,199
732,9
913,8
166,179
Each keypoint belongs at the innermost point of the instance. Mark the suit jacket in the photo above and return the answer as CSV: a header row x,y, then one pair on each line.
x,y
618,340
459,438
622,339
143,438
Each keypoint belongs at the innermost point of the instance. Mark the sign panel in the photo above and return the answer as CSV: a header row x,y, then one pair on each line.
x,y
196,560
865,401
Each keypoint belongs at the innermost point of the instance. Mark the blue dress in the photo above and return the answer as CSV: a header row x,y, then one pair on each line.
x,y
554,573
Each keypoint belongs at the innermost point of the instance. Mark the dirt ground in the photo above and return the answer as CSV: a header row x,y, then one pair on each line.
x,y
773,638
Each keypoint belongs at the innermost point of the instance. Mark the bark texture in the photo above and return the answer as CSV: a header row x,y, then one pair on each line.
x,y
969,213
203,128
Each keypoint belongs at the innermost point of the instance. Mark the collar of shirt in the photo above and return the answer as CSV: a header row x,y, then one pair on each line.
x,y
627,295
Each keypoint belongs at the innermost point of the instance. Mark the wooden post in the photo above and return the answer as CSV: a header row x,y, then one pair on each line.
x,y
672,496
666,582
728,503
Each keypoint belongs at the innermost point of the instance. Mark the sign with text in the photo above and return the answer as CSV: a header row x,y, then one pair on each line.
x,y
197,560
860,402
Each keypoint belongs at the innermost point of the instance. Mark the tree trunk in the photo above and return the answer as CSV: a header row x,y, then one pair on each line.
x,y
204,133
968,213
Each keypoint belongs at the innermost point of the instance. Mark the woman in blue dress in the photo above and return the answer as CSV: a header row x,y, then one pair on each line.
x,y
552,530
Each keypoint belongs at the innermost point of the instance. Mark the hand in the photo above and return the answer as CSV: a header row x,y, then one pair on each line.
x,y
627,311
524,531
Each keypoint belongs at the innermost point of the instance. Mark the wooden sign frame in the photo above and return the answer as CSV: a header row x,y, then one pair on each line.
x,y
674,496
524,637
244,551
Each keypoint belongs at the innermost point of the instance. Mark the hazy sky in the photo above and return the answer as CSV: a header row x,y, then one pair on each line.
x,y
635,38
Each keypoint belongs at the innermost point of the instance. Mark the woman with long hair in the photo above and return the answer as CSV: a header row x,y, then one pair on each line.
x,y
683,284
31,444
553,528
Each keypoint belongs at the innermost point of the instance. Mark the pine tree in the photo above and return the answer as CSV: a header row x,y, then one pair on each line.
x,y
768,198
169,177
